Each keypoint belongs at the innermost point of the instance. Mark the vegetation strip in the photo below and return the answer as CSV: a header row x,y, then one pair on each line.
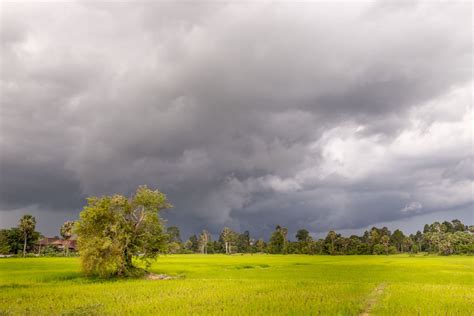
x,y
374,297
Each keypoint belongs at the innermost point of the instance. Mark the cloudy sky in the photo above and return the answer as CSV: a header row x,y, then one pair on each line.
x,y
246,114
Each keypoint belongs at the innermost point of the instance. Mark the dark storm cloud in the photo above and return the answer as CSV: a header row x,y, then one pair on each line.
x,y
249,115
44,184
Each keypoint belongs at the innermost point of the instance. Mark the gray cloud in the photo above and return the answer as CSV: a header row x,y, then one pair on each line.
x,y
248,115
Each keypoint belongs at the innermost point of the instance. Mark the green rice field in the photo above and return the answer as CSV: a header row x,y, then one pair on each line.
x,y
246,285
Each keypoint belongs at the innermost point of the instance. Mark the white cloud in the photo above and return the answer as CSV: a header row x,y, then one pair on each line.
x,y
413,207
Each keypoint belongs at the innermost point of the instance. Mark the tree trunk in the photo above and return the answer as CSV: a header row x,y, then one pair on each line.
x,y
24,247
126,263
128,260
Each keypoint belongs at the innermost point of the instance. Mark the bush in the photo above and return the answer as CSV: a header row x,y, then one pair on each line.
x,y
379,250
392,250
51,251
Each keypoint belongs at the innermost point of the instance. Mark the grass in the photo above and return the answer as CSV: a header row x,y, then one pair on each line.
x,y
246,285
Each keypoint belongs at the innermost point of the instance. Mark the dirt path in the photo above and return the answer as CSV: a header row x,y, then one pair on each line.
x,y
373,299
153,276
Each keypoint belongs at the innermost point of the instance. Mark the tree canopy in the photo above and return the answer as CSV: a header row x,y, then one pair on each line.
x,y
114,229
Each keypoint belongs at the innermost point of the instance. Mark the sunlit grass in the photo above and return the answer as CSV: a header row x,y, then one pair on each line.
x,y
258,284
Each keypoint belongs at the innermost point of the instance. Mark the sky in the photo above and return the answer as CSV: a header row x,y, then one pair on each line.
x,y
316,115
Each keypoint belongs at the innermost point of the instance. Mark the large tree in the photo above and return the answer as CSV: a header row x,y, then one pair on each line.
x,y
303,235
260,245
26,225
174,234
385,242
458,226
243,242
12,240
303,239
204,239
192,244
175,244
228,237
278,240
114,229
66,233
396,239
330,242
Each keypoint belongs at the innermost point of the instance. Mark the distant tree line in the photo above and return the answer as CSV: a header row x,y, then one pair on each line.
x,y
444,238
24,239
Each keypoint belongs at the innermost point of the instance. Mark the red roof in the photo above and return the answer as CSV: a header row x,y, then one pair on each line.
x,y
58,242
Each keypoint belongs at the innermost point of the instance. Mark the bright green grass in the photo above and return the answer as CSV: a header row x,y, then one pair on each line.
x,y
245,285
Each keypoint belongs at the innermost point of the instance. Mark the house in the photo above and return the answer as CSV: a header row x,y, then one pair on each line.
x,y
58,243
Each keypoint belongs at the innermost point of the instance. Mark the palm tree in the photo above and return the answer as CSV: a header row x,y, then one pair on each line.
x,y
27,225
66,233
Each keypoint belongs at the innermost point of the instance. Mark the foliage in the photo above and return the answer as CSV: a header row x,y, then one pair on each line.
x,y
174,234
174,248
192,244
444,239
303,235
4,242
51,251
228,237
12,241
26,225
204,240
66,233
379,249
260,245
114,229
330,242
243,243
397,238
278,240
